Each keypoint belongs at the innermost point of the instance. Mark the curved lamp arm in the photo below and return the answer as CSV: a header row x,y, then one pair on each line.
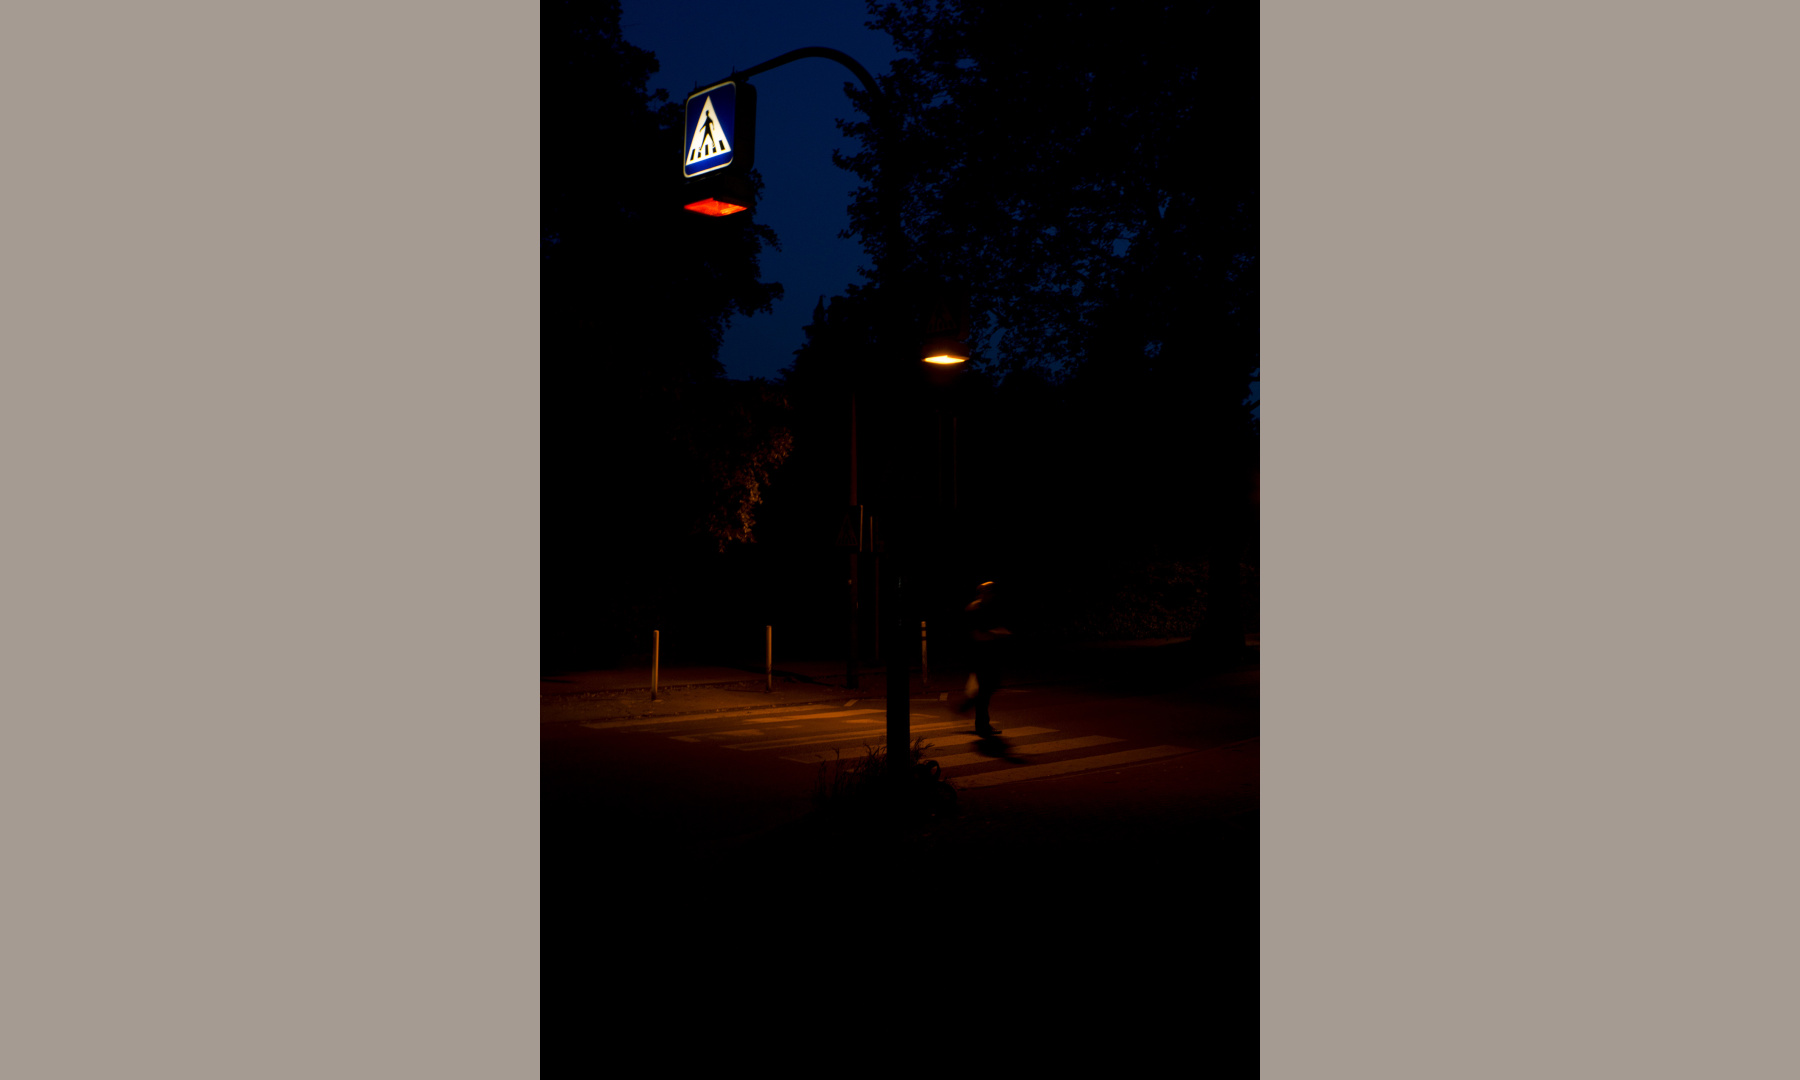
x,y
823,53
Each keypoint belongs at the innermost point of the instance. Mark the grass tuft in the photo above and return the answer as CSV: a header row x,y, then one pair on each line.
x,y
871,787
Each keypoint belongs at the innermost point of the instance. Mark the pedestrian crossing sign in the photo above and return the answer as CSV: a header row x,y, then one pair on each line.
x,y
720,129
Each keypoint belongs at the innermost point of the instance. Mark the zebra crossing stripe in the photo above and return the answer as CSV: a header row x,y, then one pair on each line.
x,y
747,715
1061,768
935,742
814,716
1055,746
840,736
964,738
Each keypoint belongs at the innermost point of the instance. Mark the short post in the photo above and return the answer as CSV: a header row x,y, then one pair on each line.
x,y
655,658
769,657
924,661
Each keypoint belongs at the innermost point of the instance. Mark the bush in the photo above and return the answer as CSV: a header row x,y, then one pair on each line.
x,y
871,787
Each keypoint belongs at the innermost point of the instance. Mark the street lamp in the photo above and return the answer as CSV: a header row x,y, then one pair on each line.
x,y
944,351
718,142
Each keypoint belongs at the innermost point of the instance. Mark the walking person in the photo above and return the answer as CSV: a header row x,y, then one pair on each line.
x,y
986,640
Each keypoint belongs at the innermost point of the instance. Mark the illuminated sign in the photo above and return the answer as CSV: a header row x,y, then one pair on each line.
x,y
721,129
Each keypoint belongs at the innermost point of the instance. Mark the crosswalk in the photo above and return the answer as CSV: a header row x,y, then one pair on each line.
x,y
933,744
811,735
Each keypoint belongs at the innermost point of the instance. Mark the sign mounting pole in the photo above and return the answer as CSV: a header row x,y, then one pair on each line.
x,y
733,163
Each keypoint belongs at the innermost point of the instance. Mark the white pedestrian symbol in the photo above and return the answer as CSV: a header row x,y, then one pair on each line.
x,y
709,136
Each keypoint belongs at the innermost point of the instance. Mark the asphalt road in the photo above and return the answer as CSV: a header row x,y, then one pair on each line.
x,y
1102,852
1071,763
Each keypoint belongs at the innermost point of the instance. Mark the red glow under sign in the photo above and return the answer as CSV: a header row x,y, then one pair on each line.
x,y
714,208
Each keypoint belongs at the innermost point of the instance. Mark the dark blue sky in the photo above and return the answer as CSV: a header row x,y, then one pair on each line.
x,y
806,197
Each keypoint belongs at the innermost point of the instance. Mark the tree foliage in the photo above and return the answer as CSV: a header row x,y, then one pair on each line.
x,y
739,442
1087,171
1087,175
651,458
622,263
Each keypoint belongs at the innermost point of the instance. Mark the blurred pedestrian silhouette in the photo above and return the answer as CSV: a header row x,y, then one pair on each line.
x,y
987,640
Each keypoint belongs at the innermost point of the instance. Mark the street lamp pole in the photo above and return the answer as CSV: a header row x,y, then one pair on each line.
x,y
889,189
852,660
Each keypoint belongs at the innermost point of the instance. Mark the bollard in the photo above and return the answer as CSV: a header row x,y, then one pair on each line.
x,y
924,663
769,658
655,657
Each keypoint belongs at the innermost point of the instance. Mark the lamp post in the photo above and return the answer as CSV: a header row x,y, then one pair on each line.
x,y
940,351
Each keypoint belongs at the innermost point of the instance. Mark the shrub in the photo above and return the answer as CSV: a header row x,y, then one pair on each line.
x,y
871,786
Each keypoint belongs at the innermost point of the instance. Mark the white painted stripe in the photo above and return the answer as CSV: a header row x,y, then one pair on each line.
x,y
842,736
741,733
964,738
936,742
730,714
817,715
1060,768
839,737
1055,746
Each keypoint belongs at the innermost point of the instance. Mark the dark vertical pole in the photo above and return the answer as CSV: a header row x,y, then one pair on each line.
x,y
899,360
899,721
894,270
924,657
937,458
875,600
850,661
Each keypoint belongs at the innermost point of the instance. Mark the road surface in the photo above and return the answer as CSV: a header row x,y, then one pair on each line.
x,y
1104,845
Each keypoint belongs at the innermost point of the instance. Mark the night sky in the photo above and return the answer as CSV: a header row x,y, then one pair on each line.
x,y
806,197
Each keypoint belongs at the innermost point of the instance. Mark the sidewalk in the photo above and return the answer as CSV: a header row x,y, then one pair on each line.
x,y
625,692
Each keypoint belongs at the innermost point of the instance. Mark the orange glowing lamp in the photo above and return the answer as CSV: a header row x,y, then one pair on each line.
x,y
944,349
714,207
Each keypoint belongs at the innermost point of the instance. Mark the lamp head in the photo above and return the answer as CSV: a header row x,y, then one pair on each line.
x,y
944,351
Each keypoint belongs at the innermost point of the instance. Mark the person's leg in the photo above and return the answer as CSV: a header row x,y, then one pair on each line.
x,y
984,694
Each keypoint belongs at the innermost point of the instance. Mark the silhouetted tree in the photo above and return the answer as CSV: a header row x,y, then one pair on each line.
x,y
1088,174
651,459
